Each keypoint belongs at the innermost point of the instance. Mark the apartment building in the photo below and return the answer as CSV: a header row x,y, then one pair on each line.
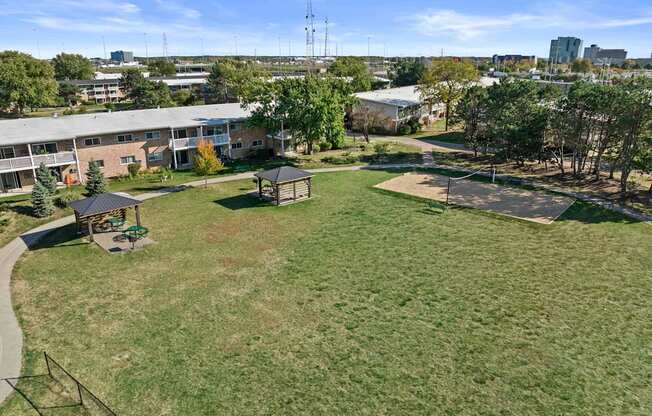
x,y
153,138
100,91
597,55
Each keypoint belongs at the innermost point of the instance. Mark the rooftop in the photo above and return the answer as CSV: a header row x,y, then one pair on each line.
x,y
102,203
38,130
284,174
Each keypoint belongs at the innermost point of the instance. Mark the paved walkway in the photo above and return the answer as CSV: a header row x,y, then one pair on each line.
x,y
11,337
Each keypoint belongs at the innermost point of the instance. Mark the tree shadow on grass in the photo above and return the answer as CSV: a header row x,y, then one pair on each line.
x,y
243,201
587,213
62,237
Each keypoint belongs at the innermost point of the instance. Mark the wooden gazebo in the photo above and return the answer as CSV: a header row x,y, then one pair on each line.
x,y
284,185
99,208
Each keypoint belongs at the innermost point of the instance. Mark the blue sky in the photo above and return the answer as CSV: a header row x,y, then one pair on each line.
x,y
399,27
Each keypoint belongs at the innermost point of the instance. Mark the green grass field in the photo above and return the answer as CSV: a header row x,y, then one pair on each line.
x,y
356,302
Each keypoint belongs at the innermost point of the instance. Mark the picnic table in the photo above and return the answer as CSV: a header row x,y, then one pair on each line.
x,y
116,223
136,232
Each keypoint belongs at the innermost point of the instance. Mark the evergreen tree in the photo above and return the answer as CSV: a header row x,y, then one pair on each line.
x,y
95,182
42,201
47,179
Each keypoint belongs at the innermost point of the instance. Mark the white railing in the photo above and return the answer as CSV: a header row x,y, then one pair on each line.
x,y
24,163
191,142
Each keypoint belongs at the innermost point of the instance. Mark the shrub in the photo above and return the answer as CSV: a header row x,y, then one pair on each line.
x,y
345,159
325,146
134,169
381,148
316,148
65,198
415,126
405,129
165,174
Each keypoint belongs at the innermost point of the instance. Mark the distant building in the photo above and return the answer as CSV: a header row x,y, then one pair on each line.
x,y
565,49
501,59
122,56
597,55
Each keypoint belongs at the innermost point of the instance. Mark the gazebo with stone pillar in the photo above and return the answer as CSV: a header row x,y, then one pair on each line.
x,y
97,209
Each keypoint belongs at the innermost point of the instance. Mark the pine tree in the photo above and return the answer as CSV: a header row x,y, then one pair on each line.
x,y
42,201
46,178
95,182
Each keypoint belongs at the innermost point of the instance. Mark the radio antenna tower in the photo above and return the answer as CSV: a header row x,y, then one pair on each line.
x,y
165,46
310,31
326,52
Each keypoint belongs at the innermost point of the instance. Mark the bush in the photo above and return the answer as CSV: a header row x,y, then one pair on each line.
x,y
381,148
65,198
345,159
316,148
134,169
415,126
405,129
325,146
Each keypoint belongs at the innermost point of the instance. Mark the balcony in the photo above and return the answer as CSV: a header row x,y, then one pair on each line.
x,y
191,142
25,163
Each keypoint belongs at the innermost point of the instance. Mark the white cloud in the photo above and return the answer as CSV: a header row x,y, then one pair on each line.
x,y
178,8
469,26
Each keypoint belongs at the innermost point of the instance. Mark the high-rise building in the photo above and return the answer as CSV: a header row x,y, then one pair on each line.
x,y
122,56
597,55
565,49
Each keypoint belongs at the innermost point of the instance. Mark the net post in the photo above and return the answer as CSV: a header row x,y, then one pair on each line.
x,y
81,400
448,191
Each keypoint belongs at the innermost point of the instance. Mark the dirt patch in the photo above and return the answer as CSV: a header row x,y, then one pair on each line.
x,y
533,206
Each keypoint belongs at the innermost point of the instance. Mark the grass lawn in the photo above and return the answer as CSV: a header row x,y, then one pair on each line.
x,y
356,302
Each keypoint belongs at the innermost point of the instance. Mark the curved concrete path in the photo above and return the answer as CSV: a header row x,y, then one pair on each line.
x,y
11,336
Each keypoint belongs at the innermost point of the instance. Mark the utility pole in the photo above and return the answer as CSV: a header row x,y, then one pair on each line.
x,y
310,31
146,48
165,46
368,48
279,55
235,39
104,46
326,40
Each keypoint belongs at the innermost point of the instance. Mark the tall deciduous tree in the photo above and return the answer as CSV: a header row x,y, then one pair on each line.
x,y
408,72
354,68
25,82
95,182
206,161
472,112
72,66
161,68
230,81
445,82
151,95
68,92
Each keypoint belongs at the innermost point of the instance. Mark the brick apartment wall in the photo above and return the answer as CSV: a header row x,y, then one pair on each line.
x,y
110,151
247,136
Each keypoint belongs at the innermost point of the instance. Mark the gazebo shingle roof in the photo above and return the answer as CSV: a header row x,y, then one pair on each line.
x,y
284,174
102,203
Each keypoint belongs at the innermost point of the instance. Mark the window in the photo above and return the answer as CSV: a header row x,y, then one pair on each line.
x,y
214,130
127,160
7,153
237,145
99,163
236,126
152,135
124,138
180,134
257,143
94,141
44,148
193,133
155,157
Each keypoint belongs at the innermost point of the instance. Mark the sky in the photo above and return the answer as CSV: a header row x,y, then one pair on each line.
x,y
44,28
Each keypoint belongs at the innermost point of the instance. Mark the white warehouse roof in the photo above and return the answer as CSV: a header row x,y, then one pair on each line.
x,y
37,130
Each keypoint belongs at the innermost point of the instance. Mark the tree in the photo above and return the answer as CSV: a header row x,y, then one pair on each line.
x,y
230,81
408,72
311,108
132,79
583,66
643,158
183,97
72,66
354,68
445,82
95,182
25,82
45,177
206,161
366,119
472,110
151,95
42,201
161,68
68,92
